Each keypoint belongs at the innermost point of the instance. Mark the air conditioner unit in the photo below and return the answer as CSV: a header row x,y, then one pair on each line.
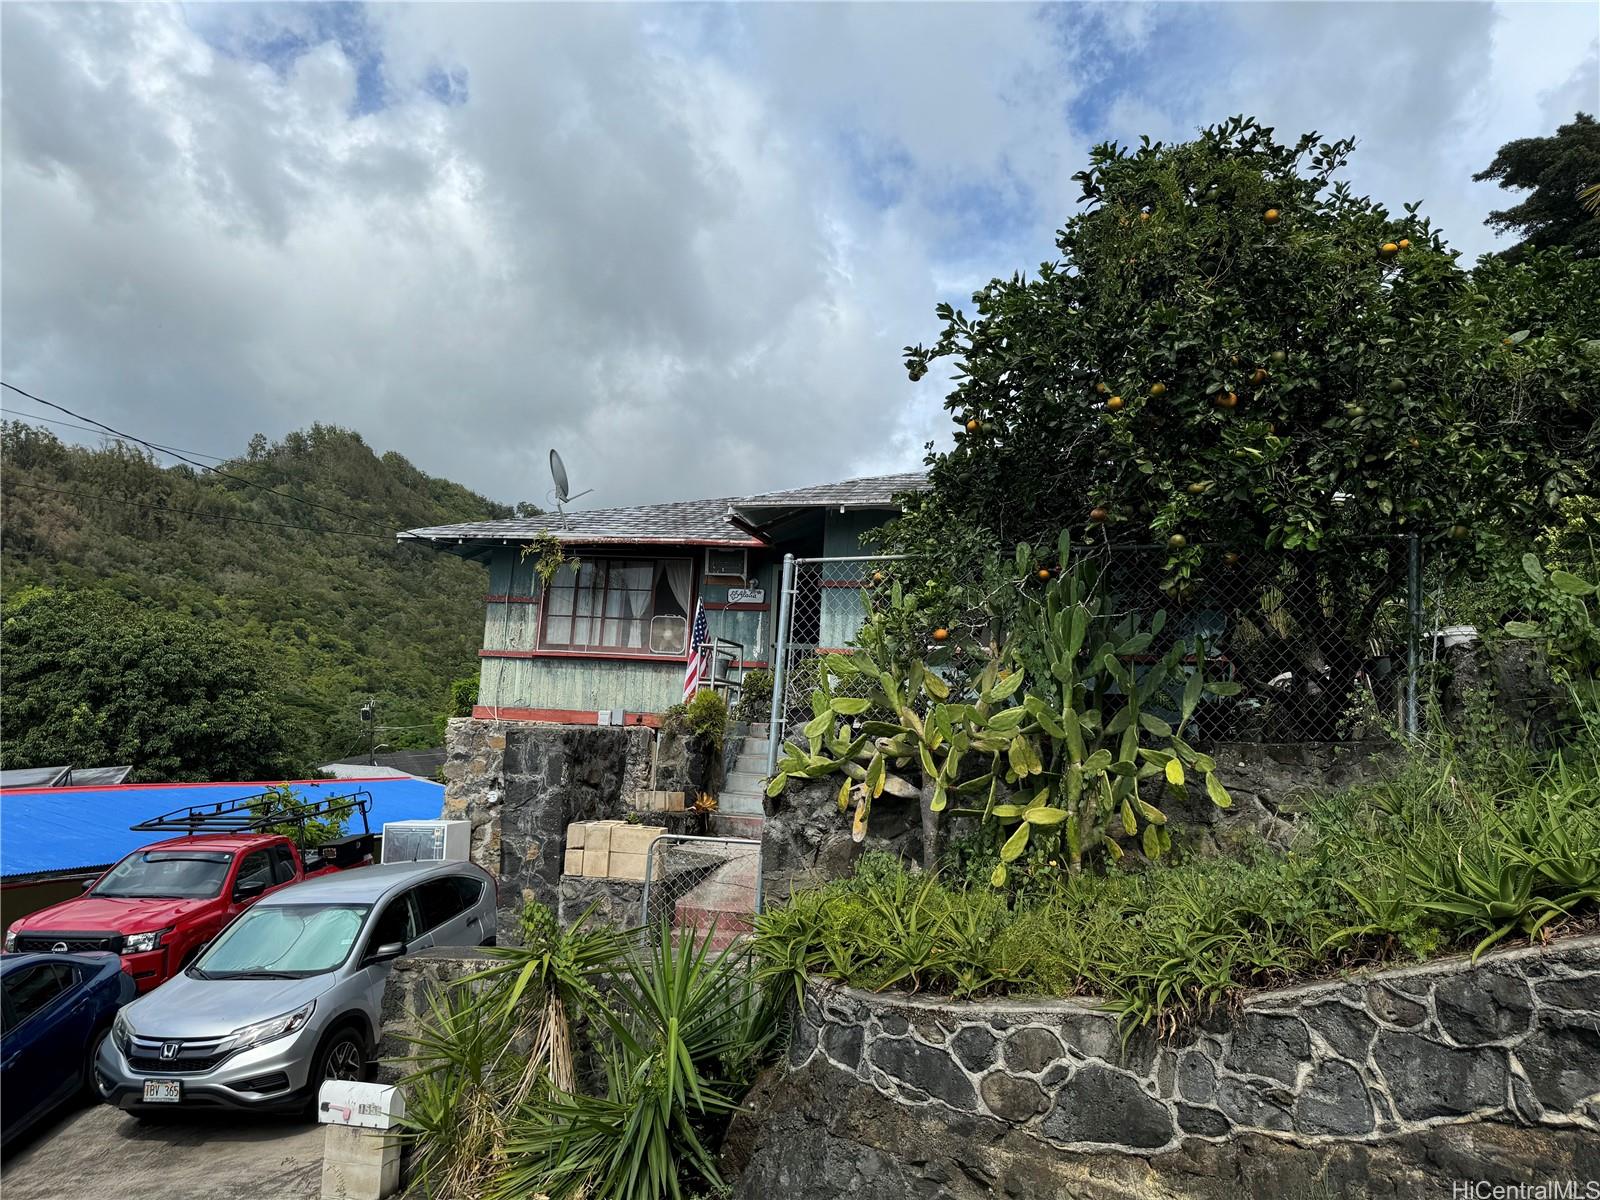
x,y
426,841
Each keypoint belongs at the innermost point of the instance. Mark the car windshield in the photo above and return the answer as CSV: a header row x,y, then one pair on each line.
x,y
167,874
284,940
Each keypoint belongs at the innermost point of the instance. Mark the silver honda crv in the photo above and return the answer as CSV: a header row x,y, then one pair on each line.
x,y
290,994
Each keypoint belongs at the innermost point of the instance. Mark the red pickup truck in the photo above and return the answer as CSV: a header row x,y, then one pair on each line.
x,y
162,903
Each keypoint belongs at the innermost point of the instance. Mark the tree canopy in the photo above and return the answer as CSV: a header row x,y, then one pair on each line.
x,y
1556,171
1236,348
1237,354
92,679
345,614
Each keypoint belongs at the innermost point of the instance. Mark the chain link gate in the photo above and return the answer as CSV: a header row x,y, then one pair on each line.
x,y
711,885
1320,656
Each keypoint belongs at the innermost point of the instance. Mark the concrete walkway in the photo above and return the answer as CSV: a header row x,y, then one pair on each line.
x,y
99,1151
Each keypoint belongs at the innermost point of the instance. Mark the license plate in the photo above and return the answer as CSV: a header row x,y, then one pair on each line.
x,y
163,1091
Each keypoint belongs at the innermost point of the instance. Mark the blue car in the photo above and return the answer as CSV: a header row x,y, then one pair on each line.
x,y
57,1010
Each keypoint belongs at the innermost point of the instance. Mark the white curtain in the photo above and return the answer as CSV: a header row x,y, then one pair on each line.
x,y
680,574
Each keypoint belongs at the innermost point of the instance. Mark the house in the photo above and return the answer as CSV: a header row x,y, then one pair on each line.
x,y
606,640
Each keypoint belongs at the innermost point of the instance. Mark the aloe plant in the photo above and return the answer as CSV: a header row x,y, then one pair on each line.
x,y
1060,752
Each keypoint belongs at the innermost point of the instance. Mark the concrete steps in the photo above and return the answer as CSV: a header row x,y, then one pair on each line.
x,y
742,806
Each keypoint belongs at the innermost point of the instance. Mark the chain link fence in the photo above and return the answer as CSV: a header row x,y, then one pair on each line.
x,y
708,884
1323,645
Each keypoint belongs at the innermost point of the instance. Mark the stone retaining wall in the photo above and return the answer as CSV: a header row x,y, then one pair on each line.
x,y
521,784
1371,1069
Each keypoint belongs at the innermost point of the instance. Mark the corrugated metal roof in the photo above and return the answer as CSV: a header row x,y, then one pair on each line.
x,y
16,777
870,491
684,522
681,523
52,829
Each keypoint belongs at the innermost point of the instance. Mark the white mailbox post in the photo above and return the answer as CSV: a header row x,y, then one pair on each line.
x,y
361,1154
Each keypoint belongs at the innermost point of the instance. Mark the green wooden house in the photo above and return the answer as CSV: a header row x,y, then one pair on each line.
x,y
607,640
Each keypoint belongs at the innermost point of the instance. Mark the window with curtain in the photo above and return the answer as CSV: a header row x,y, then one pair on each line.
x,y
620,605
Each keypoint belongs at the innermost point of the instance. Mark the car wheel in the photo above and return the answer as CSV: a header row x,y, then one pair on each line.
x,y
90,1091
342,1056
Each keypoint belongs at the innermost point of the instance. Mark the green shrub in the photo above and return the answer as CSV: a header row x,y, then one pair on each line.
x,y
1446,855
707,715
755,695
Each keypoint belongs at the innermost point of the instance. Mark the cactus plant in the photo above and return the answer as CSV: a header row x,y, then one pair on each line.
x,y
1062,757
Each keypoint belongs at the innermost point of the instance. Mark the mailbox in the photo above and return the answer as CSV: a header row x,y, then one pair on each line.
x,y
367,1105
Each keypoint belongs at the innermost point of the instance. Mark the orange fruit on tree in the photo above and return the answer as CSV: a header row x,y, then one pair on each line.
x,y
1158,389
1144,216
1044,572
1278,356
1404,243
1258,376
1460,533
1389,249
972,425
1226,400
1270,216
941,634
1177,541
1115,403
1101,388
1231,558
1097,514
1197,488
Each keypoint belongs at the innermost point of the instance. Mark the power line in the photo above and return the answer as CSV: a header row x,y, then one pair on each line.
x,y
189,512
203,466
168,450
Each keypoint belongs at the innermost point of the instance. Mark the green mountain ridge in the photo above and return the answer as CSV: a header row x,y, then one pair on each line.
x,y
341,614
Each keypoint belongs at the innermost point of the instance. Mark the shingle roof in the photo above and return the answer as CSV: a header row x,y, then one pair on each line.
x,y
871,491
684,522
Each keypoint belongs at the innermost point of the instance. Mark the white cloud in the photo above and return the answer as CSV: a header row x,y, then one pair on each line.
x,y
684,244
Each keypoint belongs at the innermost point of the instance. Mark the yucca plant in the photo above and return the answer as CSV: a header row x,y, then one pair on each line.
x,y
677,1016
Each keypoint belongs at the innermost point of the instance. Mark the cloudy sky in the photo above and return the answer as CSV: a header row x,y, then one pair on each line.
x,y
683,244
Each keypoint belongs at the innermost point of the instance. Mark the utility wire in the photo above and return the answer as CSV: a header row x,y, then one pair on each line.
x,y
203,466
14,415
190,512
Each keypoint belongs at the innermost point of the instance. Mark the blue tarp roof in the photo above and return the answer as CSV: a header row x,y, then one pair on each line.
x,y
64,828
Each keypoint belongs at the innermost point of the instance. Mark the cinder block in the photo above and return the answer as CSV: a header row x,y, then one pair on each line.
x,y
573,863
596,861
634,839
575,833
598,835
626,866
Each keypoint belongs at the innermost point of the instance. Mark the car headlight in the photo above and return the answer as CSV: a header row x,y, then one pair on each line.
x,y
265,1031
138,943
11,940
122,1032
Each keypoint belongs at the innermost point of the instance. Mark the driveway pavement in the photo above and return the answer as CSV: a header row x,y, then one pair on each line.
x,y
101,1153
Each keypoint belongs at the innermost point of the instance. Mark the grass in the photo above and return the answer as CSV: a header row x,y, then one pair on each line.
x,y
1449,855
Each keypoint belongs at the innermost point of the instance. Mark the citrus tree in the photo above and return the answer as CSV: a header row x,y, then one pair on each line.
x,y
1237,356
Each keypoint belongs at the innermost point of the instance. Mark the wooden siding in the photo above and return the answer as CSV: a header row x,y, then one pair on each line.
x,y
586,684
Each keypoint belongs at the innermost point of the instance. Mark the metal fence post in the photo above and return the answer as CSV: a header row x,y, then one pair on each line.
x,y
1414,631
780,665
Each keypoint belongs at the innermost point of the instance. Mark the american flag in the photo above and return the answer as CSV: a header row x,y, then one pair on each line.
x,y
697,665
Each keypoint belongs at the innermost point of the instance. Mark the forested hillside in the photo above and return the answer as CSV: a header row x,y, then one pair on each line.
x,y
294,560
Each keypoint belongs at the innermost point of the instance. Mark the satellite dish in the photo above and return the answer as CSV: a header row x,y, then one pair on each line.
x,y
563,490
558,472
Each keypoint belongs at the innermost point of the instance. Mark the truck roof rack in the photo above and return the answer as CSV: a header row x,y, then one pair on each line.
x,y
258,814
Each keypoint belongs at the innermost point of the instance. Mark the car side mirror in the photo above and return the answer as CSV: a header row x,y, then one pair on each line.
x,y
249,889
387,952
89,883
